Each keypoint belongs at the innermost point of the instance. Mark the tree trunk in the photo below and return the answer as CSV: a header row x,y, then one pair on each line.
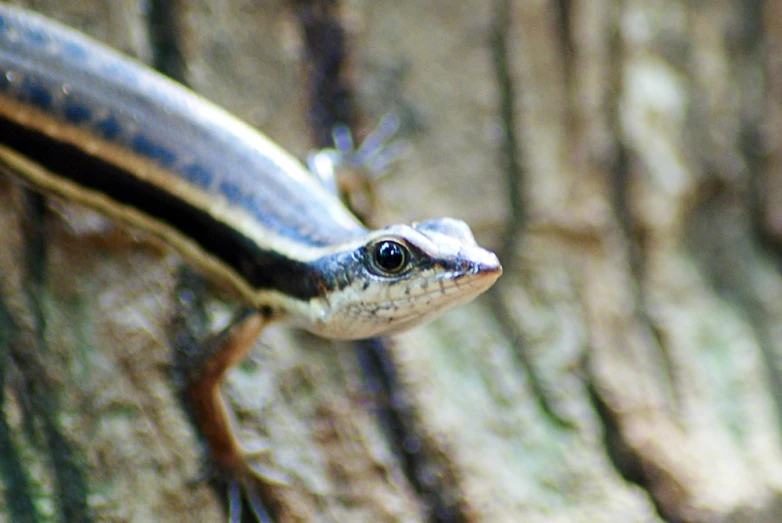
x,y
624,160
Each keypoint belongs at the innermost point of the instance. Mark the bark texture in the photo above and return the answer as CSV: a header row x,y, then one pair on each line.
x,y
622,156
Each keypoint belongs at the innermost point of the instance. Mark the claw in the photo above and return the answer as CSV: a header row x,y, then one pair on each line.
x,y
256,448
263,473
244,486
245,490
377,144
234,502
380,163
343,140
256,505
270,475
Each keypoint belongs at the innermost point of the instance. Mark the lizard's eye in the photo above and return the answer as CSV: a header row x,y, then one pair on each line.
x,y
389,258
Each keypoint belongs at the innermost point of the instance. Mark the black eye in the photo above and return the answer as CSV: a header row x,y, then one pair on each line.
x,y
389,257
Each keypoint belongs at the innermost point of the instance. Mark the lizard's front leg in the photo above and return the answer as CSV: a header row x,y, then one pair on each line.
x,y
201,368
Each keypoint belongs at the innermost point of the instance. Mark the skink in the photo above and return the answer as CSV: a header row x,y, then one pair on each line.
x,y
81,122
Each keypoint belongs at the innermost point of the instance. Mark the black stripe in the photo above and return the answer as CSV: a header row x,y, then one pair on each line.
x,y
261,268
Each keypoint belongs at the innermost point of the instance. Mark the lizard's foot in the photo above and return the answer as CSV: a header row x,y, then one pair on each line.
x,y
247,481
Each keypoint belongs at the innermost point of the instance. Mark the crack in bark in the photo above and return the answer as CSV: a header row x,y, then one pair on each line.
x,y
512,165
165,45
35,388
18,495
396,419
630,463
331,98
752,147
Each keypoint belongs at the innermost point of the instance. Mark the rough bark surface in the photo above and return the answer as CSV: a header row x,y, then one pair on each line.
x,y
623,157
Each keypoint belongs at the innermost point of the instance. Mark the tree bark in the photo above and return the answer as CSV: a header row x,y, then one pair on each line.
x,y
622,157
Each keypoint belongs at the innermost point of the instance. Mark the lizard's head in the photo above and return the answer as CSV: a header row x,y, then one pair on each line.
x,y
399,277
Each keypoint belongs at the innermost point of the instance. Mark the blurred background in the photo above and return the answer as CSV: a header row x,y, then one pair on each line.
x,y
622,157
